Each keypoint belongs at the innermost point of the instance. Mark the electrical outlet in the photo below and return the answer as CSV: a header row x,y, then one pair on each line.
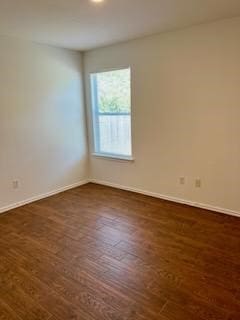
x,y
15,184
182,180
198,183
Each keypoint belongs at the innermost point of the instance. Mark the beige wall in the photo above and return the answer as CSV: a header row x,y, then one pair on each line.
x,y
42,128
186,113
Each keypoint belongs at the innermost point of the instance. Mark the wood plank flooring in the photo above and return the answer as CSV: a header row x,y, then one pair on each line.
x,y
98,253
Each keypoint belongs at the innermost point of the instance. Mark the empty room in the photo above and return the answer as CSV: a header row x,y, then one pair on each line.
x,y
119,160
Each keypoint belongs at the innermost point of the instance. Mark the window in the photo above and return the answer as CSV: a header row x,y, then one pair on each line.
x,y
111,102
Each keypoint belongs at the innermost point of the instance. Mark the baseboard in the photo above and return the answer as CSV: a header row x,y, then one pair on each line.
x,y
118,186
42,196
168,198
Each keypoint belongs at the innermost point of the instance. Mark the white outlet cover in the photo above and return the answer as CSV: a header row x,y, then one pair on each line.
x,y
182,180
198,183
15,184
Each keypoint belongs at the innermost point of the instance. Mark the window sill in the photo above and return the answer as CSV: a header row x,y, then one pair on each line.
x,y
113,157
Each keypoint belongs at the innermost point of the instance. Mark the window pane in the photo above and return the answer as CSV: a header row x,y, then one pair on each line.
x,y
115,134
111,93
114,91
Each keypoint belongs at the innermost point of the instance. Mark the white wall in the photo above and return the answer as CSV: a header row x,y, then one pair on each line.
x,y
186,113
42,125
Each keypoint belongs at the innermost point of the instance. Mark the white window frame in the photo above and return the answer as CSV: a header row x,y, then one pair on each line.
x,y
95,116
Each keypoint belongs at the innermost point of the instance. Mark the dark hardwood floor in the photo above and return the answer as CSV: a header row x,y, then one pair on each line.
x,y
98,253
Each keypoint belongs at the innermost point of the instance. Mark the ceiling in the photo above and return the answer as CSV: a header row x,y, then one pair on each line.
x,y
82,25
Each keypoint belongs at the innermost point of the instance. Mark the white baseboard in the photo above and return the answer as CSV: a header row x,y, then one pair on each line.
x,y
42,196
168,198
118,186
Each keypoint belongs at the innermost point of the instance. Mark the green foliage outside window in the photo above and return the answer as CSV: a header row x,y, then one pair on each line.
x,y
114,91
